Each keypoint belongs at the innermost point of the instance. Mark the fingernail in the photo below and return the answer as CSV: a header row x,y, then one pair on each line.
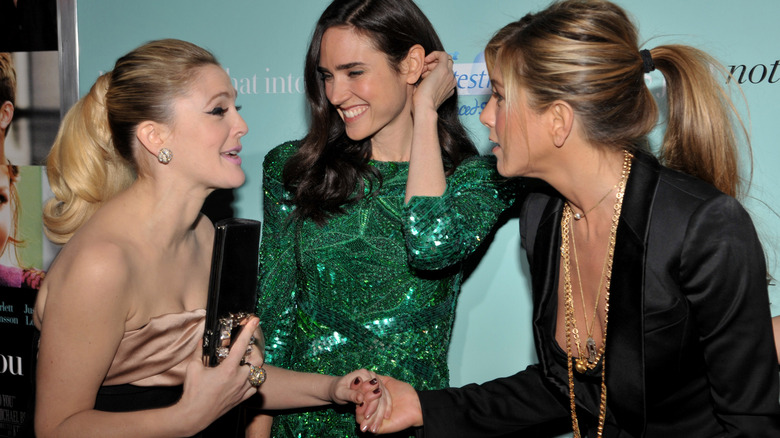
x,y
357,380
361,404
364,428
377,391
372,381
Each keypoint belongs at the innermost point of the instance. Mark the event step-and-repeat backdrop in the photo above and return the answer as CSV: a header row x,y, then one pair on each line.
x,y
262,44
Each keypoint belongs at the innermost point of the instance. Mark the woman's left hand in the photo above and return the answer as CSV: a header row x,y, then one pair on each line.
x,y
438,81
346,389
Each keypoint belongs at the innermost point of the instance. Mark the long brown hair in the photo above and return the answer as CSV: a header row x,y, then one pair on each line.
x,y
585,52
329,170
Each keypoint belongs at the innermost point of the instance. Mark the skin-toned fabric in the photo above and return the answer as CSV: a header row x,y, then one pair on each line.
x,y
158,353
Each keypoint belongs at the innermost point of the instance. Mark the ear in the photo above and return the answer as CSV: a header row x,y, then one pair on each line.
x,y
412,65
6,114
561,116
152,136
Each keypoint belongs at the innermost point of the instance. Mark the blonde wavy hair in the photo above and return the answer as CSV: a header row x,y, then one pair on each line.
x,y
93,155
83,168
586,53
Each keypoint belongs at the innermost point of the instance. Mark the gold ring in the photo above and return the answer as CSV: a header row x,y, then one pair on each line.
x,y
256,375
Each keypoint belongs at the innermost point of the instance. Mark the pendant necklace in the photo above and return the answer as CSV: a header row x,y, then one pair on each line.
x,y
572,334
590,345
578,216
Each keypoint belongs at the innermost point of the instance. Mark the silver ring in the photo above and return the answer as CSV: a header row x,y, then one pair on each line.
x,y
256,375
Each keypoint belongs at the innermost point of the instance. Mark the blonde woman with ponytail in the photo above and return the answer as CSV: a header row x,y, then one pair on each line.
x,y
651,313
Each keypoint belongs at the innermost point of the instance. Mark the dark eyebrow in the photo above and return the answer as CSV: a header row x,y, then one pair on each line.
x,y
346,66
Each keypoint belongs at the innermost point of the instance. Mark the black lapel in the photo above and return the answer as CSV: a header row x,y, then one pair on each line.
x,y
544,269
625,332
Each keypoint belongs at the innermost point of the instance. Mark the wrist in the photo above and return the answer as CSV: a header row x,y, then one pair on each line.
x,y
425,112
418,412
184,428
331,396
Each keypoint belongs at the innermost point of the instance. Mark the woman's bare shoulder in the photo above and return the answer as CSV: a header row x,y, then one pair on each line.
x,y
92,271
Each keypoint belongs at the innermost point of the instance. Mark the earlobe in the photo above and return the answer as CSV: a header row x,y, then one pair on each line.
x,y
412,65
562,116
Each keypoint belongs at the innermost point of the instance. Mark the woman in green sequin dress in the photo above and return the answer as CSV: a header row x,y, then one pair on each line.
x,y
368,218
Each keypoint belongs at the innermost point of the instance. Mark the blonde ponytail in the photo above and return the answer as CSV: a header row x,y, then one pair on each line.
x,y
83,168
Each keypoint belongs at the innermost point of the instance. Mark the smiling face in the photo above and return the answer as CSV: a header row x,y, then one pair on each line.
x,y
372,98
207,130
516,130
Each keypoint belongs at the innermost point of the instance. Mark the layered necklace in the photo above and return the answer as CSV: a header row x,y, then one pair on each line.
x,y
582,364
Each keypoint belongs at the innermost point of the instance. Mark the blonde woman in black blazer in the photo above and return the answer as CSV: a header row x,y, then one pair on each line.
x,y
651,313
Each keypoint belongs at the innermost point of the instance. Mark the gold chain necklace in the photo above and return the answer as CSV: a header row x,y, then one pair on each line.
x,y
570,321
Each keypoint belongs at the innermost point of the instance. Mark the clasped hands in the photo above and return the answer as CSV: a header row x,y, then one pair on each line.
x,y
397,407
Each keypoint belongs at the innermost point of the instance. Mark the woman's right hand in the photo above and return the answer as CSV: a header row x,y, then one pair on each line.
x,y
209,393
406,411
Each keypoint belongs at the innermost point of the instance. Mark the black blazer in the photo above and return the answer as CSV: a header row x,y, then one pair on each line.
x,y
690,350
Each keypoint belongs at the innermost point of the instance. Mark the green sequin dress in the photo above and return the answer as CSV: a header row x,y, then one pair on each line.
x,y
377,286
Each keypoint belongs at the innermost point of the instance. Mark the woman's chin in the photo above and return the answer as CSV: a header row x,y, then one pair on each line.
x,y
508,171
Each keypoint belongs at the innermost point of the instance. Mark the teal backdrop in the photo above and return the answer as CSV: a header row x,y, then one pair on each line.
x,y
262,45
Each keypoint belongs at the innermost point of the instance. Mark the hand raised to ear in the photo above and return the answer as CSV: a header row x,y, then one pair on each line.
x,y
437,84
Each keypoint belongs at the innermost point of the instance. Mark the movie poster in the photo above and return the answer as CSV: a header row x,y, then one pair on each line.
x,y
29,117
21,272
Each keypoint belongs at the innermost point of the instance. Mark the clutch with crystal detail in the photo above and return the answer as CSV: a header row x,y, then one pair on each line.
x,y
232,286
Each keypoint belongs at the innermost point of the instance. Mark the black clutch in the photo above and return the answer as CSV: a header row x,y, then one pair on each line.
x,y
232,286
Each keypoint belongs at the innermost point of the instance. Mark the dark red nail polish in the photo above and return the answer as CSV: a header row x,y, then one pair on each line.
x,y
373,381
357,380
377,391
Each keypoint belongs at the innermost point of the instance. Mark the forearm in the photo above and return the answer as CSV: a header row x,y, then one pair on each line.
x,y
285,389
440,231
149,423
426,169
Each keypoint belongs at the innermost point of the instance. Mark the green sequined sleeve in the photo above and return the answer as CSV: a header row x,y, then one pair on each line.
x,y
276,278
441,231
